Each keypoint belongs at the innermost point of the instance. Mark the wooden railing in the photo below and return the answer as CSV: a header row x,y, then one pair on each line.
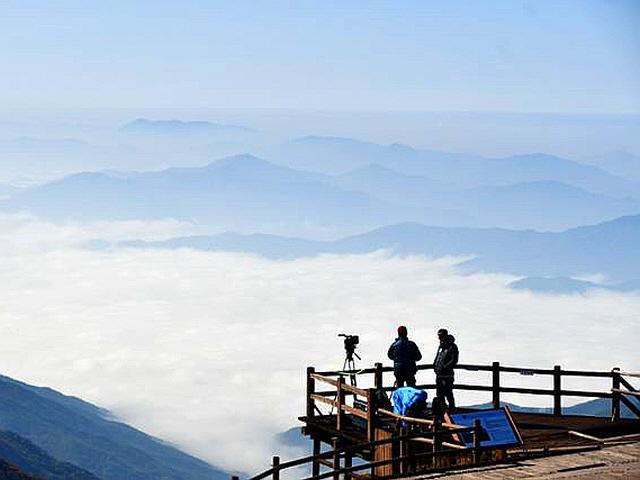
x,y
344,454
339,458
617,395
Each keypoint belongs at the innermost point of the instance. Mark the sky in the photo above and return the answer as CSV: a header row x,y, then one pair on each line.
x,y
500,55
208,349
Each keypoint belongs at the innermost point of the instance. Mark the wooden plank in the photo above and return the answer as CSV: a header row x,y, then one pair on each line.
x,y
331,381
334,403
421,421
625,392
431,441
584,435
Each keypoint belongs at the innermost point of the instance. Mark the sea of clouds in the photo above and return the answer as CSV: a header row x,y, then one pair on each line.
x,y
208,350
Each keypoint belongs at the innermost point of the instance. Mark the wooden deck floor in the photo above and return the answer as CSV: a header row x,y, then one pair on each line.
x,y
614,462
537,430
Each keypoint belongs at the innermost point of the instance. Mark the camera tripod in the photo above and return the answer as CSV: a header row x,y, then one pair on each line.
x,y
350,365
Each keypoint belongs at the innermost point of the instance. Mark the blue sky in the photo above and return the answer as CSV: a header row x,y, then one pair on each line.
x,y
520,56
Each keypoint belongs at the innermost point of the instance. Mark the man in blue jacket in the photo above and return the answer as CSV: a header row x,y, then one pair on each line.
x,y
404,354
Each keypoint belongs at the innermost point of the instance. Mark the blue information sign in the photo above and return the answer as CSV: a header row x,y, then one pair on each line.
x,y
498,429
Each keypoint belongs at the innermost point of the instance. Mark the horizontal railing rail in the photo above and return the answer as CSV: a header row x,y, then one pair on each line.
x,y
340,452
557,392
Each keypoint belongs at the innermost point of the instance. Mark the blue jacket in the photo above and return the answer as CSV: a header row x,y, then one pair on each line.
x,y
404,354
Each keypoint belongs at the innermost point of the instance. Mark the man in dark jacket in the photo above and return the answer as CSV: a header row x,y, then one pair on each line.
x,y
404,354
446,359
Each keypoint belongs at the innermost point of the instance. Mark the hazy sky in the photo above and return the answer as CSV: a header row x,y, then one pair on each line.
x,y
565,56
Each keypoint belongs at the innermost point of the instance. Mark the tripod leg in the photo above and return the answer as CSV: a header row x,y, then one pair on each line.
x,y
352,377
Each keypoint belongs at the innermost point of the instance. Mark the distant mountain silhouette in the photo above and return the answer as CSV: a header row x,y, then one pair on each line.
x,y
566,285
155,127
71,430
558,285
45,158
340,155
609,248
237,193
539,205
621,163
34,461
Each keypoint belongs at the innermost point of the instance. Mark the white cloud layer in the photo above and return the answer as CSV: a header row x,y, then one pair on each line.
x,y
208,350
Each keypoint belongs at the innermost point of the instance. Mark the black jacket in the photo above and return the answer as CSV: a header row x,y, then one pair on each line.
x,y
446,358
404,354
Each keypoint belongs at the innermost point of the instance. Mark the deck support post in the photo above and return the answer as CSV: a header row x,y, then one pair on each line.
x,y
311,389
371,414
437,436
477,445
615,394
495,367
348,462
336,458
275,463
378,376
403,451
340,398
557,390
315,465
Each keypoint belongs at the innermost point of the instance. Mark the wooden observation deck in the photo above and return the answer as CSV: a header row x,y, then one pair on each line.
x,y
367,441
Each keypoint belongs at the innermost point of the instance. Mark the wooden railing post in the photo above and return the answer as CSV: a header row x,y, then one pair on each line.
x,y
336,458
437,436
315,464
378,376
371,414
403,451
557,390
495,367
311,389
477,445
275,463
615,395
348,462
340,398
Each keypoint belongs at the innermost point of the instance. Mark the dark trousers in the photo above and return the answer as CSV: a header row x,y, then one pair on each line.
x,y
444,390
404,376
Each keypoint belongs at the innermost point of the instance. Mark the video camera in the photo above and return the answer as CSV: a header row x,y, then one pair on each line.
x,y
350,343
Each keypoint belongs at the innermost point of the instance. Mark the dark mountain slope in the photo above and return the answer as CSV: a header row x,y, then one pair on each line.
x,y
35,461
77,432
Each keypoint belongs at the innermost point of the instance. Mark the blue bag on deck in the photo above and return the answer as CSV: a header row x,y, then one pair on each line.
x,y
405,398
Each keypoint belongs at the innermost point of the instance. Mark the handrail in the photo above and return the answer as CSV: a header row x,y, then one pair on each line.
x,y
485,368
626,392
357,447
330,381
419,421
